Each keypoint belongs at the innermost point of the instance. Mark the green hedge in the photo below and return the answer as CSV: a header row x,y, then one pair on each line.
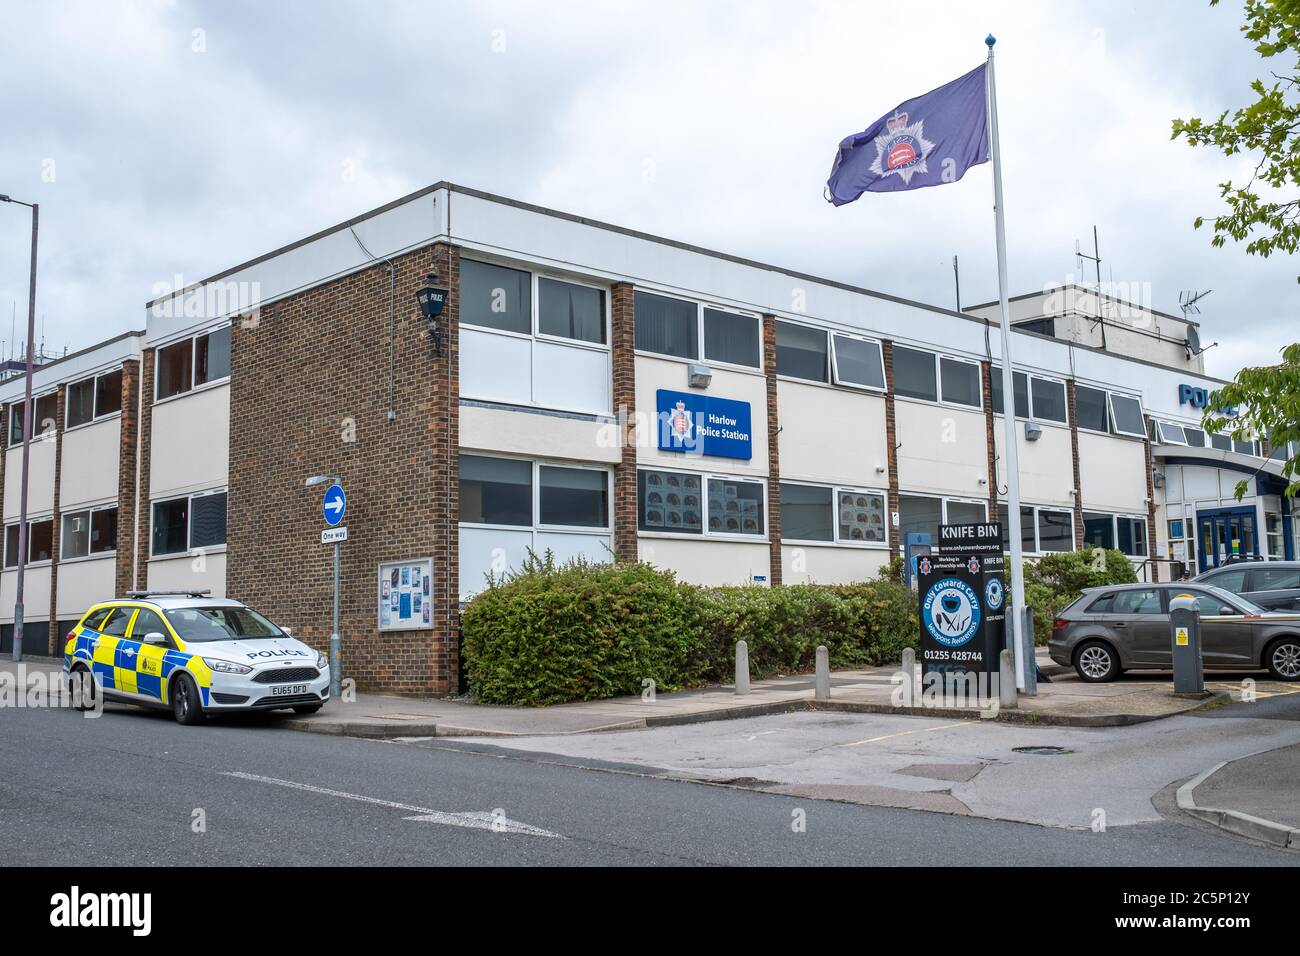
x,y
581,631
1054,581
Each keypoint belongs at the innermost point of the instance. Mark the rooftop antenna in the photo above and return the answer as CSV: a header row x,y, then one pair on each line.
x,y
1095,259
1189,303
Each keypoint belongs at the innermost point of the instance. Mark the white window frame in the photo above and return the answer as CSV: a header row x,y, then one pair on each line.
x,y
30,563
1038,544
701,357
943,508
535,496
1114,422
88,511
705,533
194,364
836,541
1162,424
189,523
827,334
835,362
938,377
1114,517
95,415
37,434
995,373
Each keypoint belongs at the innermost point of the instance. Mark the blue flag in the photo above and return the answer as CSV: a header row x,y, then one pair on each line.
x,y
927,141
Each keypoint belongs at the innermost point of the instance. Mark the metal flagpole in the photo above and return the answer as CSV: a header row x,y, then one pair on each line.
x,y
1021,643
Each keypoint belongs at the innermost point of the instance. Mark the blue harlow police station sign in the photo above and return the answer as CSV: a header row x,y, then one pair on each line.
x,y
703,425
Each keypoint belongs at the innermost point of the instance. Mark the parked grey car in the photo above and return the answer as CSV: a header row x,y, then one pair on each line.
x,y
1112,629
1273,585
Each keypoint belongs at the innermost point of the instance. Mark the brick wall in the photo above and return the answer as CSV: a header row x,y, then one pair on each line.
x,y
623,359
891,441
310,395
774,449
144,428
126,475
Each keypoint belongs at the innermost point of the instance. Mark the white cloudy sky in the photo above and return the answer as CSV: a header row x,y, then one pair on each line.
x,y
711,122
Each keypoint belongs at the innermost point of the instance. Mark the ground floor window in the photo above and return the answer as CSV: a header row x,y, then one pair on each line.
x,y
189,522
1128,533
833,514
1042,528
679,502
1273,534
921,513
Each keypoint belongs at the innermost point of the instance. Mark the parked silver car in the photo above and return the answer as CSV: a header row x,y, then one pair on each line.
x,y
1112,629
1273,585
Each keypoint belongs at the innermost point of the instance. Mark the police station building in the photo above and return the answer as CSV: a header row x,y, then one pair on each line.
x,y
592,391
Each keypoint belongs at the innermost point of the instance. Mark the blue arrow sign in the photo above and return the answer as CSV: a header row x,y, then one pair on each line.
x,y
336,502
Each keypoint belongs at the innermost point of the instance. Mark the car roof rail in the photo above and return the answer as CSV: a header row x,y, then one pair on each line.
x,y
193,592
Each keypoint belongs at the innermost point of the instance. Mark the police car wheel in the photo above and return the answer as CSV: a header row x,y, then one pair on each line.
x,y
306,709
81,685
1096,662
1283,658
185,701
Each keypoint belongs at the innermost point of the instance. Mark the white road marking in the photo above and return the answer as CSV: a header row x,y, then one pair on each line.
x,y
480,820
905,733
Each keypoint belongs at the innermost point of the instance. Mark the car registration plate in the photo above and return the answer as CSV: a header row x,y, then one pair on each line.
x,y
288,690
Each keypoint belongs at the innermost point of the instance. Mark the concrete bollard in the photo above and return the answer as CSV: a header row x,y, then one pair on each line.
x,y
742,668
1007,697
822,684
909,675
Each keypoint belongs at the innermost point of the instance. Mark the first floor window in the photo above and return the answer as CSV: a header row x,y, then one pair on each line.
x,y
46,411
11,546
667,326
1091,409
40,540
731,338
573,497
801,352
571,311
496,490
88,532
858,362
212,356
194,521
175,369
914,374
960,382
495,297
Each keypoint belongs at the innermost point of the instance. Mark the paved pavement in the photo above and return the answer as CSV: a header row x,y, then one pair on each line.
x,y
133,787
1264,786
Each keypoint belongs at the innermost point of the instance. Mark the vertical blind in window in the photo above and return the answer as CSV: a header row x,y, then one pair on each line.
x,y
667,326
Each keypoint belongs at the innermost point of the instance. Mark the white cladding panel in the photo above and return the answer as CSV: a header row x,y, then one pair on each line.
x,y
40,485
1113,473
941,450
832,435
708,561
85,582
653,374
90,462
1046,465
830,565
190,446
538,436
36,602
190,571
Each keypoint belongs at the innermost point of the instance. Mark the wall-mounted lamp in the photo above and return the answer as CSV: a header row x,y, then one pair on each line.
x,y
880,469
432,300
981,481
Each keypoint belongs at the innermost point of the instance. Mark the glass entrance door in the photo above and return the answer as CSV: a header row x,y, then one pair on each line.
x,y
1226,535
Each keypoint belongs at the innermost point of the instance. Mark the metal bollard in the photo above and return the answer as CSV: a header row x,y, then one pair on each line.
x,y
822,684
1007,696
1185,633
742,668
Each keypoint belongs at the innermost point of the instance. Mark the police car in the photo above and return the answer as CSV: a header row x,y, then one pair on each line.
x,y
194,654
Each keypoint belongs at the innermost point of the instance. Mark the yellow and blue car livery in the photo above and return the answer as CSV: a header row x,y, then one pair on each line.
x,y
137,649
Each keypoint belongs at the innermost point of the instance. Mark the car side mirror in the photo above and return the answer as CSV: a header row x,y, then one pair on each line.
x,y
1227,610
156,638
287,631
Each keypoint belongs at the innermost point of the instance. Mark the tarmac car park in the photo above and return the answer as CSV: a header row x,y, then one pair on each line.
x,y
193,654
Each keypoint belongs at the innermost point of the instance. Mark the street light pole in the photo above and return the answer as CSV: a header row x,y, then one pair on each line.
x,y
27,431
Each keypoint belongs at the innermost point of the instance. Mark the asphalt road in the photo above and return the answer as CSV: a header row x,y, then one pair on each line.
x,y
132,787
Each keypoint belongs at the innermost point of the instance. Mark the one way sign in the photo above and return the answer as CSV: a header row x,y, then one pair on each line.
x,y
335,504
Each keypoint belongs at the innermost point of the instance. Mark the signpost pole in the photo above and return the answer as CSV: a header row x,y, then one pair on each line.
x,y
336,644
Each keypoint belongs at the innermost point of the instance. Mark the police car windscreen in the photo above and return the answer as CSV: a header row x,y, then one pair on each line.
x,y
220,624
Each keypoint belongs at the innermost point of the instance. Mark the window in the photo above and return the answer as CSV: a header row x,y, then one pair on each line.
x,y
846,515
1239,446
1028,537
185,365
1098,530
184,524
1042,399
801,352
95,619
807,513
573,497
96,397
1273,534
961,381
735,507
1042,529
1232,580
1131,535
1175,529
88,532
1272,579
219,624
858,362
1221,442
40,542
670,501
1195,436
47,413
570,311
212,356
1137,601
1171,433
917,513
1126,413
731,338
148,622
496,491
11,546
1045,326
1090,409
495,297
118,622
1210,604
1047,399
915,374
667,326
